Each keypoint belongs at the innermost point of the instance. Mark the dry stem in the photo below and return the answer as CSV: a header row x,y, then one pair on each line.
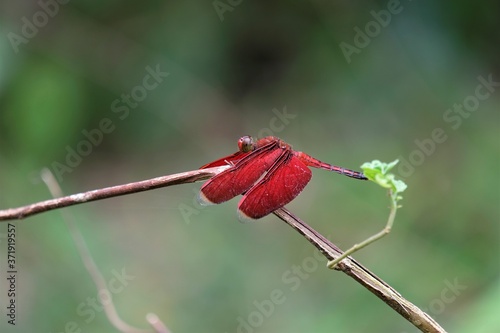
x,y
349,266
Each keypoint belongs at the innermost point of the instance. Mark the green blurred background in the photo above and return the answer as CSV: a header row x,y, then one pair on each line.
x,y
251,67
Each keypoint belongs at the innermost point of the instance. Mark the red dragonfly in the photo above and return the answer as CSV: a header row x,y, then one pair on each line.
x,y
268,172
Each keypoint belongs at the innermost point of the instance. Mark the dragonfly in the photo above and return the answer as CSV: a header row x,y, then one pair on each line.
x,y
269,174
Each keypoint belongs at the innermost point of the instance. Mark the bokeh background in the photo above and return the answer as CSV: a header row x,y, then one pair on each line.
x,y
259,68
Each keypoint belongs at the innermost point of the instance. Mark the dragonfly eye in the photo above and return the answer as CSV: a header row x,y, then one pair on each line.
x,y
245,144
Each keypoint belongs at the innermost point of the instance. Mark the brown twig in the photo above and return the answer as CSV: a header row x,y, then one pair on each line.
x,y
362,275
94,272
349,266
109,192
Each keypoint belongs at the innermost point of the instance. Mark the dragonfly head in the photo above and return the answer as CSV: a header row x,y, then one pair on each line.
x,y
246,144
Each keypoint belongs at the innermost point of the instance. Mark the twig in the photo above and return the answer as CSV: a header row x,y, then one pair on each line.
x,y
377,236
362,275
349,266
156,323
94,272
109,192
379,173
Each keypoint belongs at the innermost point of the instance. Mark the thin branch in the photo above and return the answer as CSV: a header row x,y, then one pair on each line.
x,y
349,266
362,275
94,272
156,323
109,192
369,240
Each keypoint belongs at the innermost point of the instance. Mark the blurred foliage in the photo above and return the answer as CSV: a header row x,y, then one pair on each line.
x,y
206,272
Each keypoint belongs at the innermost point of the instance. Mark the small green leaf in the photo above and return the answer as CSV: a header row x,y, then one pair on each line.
x,y
378,172
400,185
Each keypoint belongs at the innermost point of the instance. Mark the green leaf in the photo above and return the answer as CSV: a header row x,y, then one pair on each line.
x,y
378,172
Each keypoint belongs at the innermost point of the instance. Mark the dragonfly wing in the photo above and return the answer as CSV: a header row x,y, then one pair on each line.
x,y
239,178
284,181
226,160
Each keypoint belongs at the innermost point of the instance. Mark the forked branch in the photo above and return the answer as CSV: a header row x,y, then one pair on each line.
x,y
362,275
349,266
